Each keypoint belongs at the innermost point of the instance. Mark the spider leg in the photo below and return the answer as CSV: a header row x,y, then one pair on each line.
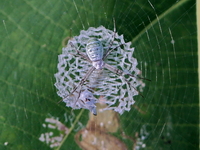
x,y
82,56
111,42
80,53
79,93
82,81
121,73
109,51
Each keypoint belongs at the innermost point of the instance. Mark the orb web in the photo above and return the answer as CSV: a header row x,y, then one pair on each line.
x,y
118,91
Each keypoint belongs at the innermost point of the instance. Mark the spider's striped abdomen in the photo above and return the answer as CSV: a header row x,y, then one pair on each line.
x,y
94,49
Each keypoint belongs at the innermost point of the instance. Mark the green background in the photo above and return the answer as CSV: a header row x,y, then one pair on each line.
x,y
31,34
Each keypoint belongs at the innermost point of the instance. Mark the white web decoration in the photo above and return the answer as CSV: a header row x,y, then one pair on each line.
x,y
116,81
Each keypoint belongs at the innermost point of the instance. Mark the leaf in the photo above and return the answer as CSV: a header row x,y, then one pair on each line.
x,y
164,35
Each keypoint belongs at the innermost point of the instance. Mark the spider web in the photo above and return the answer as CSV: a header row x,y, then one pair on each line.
x,y
118,91
164,37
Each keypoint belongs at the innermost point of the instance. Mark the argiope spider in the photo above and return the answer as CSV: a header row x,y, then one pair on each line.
x,y
95,55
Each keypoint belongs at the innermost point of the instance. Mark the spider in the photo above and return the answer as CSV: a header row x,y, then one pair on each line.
x,y
95,55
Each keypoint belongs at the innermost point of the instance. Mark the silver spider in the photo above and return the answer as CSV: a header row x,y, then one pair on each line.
x,y
95,56
100,48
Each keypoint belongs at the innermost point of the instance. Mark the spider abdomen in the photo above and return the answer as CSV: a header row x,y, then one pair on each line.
x,y
94,49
